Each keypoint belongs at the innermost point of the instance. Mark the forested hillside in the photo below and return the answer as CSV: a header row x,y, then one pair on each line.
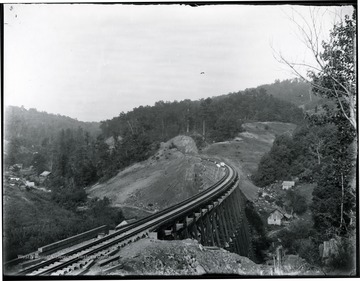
x,y
295,91
215,118
27,131
76,153
34,126
324,151
317,153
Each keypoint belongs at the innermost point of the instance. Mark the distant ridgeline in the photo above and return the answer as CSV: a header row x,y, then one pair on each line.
x,y
216,119
35,126
294,91
79,152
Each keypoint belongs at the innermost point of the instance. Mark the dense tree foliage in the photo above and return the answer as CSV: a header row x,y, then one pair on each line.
x,y
218,118
302,155
257,229
318,153
29,131
295,201
35,127
324,149
51,223
294,91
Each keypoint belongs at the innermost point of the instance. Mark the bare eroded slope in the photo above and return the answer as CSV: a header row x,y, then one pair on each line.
x,y
174,174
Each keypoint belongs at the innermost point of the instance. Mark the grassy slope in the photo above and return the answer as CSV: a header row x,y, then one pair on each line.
x,y
246,151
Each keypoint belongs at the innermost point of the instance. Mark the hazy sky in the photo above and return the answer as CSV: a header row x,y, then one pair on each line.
x,y
91,62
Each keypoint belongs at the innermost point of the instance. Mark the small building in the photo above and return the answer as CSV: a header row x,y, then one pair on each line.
x,y
81,208
30,184
288,184
43,176
14,179
16,167
125,222
275,217
279,216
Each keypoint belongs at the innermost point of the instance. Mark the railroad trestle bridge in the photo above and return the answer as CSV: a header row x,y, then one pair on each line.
x,y
221,222
214,217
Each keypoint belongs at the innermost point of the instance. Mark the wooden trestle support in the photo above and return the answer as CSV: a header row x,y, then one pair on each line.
x,y
221,223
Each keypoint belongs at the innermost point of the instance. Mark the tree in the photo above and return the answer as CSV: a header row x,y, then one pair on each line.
x,y
205,106
333,76
296,202
275,165
39,162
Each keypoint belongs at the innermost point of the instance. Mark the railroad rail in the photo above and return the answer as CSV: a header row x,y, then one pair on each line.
x,y
203,217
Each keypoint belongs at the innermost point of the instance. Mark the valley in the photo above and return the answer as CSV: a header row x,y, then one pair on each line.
x,y
59,183
175,174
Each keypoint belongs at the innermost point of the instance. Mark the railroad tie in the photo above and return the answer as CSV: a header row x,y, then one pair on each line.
x,y
107,270
109,260
86,267
113,252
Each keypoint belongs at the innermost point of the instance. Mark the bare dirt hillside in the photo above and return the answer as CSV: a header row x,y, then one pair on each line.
x,y
173,174
181,258
177,172
246,150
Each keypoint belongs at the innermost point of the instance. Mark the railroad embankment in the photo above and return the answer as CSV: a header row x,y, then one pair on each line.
x,y
175,173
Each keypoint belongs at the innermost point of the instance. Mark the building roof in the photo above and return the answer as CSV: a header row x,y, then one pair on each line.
x,y
125,222
45,173
282,212
276,210
288,183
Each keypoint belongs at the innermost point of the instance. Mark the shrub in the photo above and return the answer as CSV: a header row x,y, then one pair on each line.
x,y
69,197
172,145
199,140
308,250
345,258
259,239
296,201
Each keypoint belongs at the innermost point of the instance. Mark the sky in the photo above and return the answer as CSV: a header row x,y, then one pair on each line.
x,y
93,61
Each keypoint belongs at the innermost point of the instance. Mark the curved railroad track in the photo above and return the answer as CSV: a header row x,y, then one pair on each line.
x,y
85,255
